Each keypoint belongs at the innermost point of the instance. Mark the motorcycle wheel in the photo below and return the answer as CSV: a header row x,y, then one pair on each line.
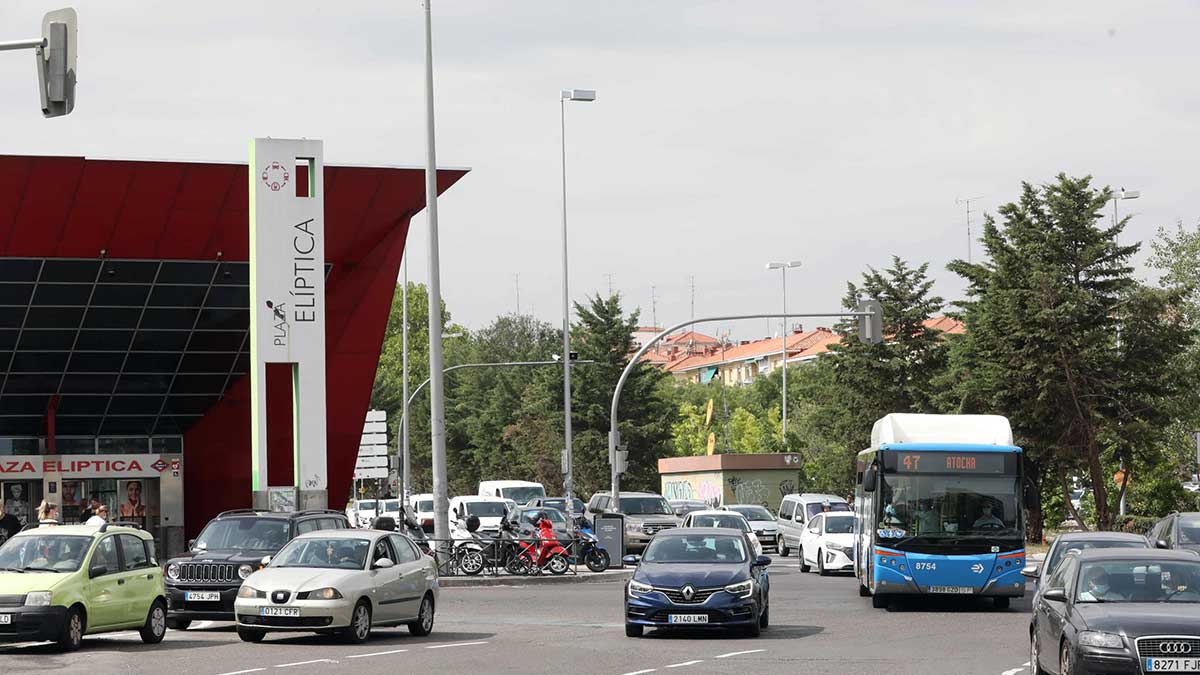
x,y
559,564
596,560
471,562
516,566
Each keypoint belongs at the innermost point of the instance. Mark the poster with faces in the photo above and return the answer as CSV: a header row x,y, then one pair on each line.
x,y
16,501
137,501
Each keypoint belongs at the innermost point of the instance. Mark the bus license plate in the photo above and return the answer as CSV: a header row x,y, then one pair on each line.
x,y
965,590
5,619
1173,665
202,596
279,611
687,618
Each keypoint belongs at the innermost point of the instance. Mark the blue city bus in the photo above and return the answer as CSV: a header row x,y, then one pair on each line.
x,y
939,518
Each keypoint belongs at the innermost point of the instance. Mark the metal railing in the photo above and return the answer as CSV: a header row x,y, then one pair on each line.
x,y
505,556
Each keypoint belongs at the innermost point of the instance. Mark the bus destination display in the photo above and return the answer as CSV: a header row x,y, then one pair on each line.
x,y
916,461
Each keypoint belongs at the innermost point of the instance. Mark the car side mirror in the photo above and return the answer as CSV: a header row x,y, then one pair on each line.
x,y
1056,594
97,571
762,561
191,544
1030,572
868,479
631,559
813,530
382,564
679,511
1161,544
266,560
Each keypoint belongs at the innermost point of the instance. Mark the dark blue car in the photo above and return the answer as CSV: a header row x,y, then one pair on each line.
x,y
698,578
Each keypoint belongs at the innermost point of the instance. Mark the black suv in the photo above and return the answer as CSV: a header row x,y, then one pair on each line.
x,y
203,584
1177,530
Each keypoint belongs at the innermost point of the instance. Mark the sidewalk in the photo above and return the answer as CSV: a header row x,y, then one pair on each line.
x,y
585,576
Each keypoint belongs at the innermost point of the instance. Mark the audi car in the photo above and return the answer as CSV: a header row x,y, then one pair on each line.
x,y
1118,611
705,578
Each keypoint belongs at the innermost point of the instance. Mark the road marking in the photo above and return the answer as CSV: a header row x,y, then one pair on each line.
x,y
748,651
305,663
248,670
640,672
1014,671
685,663
363,656
200,625
456,644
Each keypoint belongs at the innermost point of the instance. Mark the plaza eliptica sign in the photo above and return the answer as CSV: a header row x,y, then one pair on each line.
x,y
88,466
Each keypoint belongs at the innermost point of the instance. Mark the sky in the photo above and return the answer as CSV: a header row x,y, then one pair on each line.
x,y
725,134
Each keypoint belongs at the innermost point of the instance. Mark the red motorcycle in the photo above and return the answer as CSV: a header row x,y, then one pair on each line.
x,y
544,552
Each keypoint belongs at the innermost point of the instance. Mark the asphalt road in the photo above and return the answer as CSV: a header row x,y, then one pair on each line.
x,y
818,625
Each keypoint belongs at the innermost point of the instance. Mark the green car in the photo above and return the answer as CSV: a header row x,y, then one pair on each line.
x,y
59,583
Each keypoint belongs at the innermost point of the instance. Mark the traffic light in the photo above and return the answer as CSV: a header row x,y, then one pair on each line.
x,y
56,62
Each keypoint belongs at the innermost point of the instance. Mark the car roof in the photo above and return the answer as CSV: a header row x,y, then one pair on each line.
x,y
1099,536
717,512
817,496
82,530
352,533
1147,555
693,531
478,498
745,506
628,493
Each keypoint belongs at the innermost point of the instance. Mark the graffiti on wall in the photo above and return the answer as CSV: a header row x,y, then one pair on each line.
x,y
748,491
700,488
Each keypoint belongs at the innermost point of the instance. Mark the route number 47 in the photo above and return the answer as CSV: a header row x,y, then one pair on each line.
x,y
912,462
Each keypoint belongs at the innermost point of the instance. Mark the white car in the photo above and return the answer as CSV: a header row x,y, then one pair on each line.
x,y
421,506
828,543
340,581
490,511
729,519
766,528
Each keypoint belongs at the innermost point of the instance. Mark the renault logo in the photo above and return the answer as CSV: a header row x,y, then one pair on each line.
x,y
1175,647
689,593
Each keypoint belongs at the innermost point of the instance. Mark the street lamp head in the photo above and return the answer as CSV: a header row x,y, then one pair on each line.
x,y
794,263
1127,194
775,265
578,94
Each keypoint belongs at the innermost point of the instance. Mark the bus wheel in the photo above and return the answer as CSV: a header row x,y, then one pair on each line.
x,y
879,601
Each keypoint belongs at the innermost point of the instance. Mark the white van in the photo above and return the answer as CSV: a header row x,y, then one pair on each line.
x,y
421,507
520,491
489,510
796,510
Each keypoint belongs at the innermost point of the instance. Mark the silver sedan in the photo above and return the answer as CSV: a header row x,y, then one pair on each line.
x,y
341,582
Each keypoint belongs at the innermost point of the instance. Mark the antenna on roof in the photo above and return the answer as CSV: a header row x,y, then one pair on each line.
x,y
517,281
967,202
692,341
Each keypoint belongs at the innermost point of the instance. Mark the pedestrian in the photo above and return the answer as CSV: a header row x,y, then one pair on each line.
x,y
47,514
9,524
98,518
92,507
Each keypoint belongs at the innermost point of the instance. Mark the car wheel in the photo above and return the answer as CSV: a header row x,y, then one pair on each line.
x,y
1066,660
754,629
1002,602
804,566
821,564
633,630
764,619
73,629
178,624
156,624
784,551
250,635
880,601
424,624
360,624
1034,658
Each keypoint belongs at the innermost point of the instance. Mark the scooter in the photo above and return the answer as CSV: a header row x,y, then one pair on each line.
x,y
545,552
590,550
468,547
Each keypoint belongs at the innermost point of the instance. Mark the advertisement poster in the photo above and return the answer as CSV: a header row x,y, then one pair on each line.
x,y
137,503
73,501
16,501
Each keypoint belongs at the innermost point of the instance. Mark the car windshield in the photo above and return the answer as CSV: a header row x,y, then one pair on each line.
x,y
332,553
721,520
753,512
534,515
940,505
693,548
486,509
43,553
1189,530
656,506
244,534
559,504
1083,545
1139,580
522,495
366,505
839,524
425,505
391,506
816,507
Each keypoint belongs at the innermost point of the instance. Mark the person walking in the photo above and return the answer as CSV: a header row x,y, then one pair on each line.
x,y
100,517
47,514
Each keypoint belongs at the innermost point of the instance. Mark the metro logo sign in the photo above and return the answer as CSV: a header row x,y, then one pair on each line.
x,y
159,465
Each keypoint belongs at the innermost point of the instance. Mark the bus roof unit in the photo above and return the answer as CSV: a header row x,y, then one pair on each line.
x,y
964,429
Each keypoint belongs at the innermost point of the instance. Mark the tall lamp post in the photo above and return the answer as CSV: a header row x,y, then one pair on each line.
x,y
585,95
1117,197
783,268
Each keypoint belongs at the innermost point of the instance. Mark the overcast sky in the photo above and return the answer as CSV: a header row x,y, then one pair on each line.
x,y
725,134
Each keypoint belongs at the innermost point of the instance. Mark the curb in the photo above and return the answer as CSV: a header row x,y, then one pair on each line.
x,y
540,580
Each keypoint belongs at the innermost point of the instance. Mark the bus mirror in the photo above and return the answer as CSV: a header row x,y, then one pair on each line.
x,y
868,479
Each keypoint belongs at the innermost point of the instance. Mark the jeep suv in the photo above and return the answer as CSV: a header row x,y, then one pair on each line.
x,y
1178,531
203,584
645,515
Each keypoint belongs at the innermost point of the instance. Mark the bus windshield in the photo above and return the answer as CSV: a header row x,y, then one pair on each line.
x,y
931,505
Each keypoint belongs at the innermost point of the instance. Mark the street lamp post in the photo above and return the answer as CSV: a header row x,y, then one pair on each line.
x,y
783,268
1117,197
585,95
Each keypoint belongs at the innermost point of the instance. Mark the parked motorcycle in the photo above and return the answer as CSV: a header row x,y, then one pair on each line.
x,y
468,547
545,552
591,552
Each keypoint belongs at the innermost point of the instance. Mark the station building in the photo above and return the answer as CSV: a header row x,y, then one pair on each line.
x,y
124,333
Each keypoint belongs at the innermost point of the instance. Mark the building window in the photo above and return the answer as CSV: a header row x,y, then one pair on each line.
x,y
75,445
20,446
123,445
165,444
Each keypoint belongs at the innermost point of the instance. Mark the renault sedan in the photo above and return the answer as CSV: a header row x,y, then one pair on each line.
x,y
340,582
698,578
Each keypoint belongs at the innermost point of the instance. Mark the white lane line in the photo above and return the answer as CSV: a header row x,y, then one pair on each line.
x,y
248,670
641,672
305,663
200,625
748,651
456,644
685,663
363,656
1014,671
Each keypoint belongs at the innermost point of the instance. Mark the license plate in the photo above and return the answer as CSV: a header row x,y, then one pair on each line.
x,y
967,590
202,596
279,611
1173,665
687,618
5,619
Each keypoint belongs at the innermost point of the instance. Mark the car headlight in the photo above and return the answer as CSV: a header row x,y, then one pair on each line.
x,y
245,571
37,599
320,594
173,571
837,547
631,526
741,590
1091,638
637,588
248,591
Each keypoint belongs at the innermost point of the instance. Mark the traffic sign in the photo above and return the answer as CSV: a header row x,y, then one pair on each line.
x,y
363,474
371,462
375,428
376,415
372,450
374,439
